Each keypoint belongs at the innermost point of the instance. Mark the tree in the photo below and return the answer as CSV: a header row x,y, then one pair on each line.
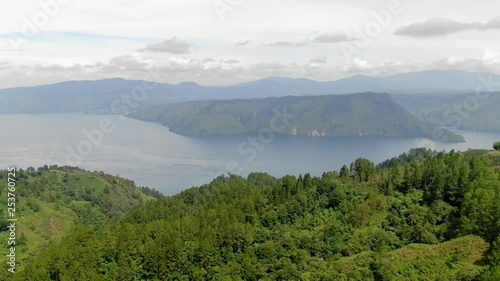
x,y
344,172
262,228
496,145
363,169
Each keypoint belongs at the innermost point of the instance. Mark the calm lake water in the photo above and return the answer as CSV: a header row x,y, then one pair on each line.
x,y
152,156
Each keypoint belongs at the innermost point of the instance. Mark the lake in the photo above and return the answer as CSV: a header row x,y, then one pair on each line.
x,y
152,156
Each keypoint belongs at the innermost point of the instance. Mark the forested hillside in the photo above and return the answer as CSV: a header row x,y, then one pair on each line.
x,y
50,200
365,114
471,112
422,216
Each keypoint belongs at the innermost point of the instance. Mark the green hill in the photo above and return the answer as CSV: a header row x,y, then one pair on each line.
x,y
423,216
464,112
458,259
50,200
366,114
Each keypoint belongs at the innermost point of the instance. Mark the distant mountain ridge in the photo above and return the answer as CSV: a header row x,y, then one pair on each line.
x,y
469,112
101,95
363,114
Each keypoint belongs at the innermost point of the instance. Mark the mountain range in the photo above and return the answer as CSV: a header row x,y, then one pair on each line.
x,y
110,95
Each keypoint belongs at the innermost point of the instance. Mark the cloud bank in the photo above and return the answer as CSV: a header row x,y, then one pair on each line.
x,y
332,38
173,46
436,27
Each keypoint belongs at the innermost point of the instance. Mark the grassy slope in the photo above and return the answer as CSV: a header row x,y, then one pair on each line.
x,y
50,202
459,258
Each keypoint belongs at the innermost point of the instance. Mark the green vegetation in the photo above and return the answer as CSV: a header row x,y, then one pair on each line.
x,y
496,145
421,216
472,112
367,114
50,200
405,158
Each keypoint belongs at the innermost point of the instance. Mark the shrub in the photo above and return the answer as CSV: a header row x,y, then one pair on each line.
x,y
496,145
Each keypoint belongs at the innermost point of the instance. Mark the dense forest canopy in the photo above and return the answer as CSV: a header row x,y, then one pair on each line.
x,y
421,216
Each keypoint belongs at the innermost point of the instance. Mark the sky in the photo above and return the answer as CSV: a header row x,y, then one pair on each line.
x,y
221,42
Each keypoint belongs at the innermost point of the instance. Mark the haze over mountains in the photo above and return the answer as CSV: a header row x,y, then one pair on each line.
x,y
111,95
426,100
471,112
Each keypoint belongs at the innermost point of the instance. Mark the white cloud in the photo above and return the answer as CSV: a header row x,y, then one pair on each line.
x,y
490,57
286,44
441,26
5,65
267,37
207,60
126,63
319,60
232,61
242,43
333,38
173,46
362,64
217,72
